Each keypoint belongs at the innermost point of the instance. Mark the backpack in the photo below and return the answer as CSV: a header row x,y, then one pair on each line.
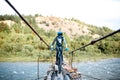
x,y
59,40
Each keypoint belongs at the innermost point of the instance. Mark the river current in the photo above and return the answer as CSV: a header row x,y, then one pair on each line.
x,y
107,69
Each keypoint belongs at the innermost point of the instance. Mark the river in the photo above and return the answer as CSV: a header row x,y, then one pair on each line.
x,y
107,69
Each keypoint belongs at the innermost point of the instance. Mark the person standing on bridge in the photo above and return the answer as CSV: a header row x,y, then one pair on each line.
x,y
58,41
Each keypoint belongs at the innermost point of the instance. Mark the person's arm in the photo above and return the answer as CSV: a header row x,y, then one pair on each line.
x,y
65,44
53,42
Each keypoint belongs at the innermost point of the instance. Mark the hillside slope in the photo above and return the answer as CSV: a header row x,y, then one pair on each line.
x,y
71,27
18,40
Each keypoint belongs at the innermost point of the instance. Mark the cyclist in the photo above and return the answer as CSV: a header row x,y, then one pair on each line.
x,y
59,40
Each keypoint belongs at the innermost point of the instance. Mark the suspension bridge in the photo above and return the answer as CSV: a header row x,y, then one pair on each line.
x,y
68,71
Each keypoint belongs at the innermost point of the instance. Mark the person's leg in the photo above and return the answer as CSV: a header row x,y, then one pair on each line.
x,y
57,52
61,51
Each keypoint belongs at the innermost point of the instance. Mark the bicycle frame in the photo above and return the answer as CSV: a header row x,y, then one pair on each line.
x,y
59,61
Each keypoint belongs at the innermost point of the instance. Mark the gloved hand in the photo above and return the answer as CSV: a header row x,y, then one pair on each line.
x,y
66,49
51,48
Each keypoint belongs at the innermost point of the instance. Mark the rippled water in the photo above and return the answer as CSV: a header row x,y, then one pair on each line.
x,y
21,70
104,70
108,69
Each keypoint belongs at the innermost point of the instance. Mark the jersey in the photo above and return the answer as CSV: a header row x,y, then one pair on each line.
x,y
59,40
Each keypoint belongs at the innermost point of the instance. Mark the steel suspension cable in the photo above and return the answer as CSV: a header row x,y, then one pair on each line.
x,y
26,22
94,41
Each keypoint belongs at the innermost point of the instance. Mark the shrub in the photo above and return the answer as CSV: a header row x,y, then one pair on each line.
x,y
7,47
4,28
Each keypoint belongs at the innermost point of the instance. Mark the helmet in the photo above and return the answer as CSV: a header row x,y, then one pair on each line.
x,y
59,33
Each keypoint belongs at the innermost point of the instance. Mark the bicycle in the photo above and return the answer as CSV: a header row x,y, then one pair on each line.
x,y
59,58
60,61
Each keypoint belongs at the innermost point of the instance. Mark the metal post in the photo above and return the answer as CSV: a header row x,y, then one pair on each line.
x,y
38,67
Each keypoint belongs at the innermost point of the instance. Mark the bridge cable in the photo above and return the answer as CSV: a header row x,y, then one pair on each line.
x,y
26,22
38,74
91,43
94,41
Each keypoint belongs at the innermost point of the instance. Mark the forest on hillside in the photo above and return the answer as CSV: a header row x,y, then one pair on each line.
x,y
18,39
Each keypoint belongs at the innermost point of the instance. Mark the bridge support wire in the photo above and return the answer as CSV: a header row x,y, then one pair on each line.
x,y
94,41
27,23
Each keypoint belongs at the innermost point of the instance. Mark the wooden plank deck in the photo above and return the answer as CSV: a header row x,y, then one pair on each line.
x,y
52,74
